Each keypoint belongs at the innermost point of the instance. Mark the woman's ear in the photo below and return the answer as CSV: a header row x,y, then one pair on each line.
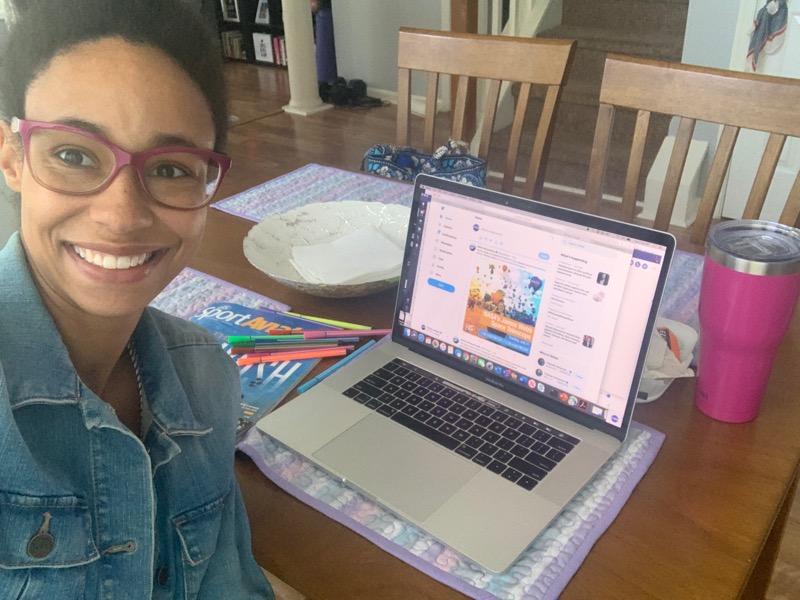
x,y
10,157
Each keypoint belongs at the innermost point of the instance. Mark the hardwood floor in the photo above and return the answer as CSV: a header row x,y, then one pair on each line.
x,y
266,142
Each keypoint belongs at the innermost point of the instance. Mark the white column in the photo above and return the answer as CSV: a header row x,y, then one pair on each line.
x,y
300,59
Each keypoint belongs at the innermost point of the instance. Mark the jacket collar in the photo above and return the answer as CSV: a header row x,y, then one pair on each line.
x,y
38,368
163,390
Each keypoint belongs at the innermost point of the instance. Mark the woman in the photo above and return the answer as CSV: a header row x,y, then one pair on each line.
x,y
116,421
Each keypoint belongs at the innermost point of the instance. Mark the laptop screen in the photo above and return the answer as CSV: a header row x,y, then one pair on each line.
x,y
542,300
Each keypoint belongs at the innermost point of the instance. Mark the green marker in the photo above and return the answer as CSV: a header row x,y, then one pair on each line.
x,y
239,339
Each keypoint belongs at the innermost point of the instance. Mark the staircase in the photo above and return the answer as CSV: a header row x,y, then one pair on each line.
x,y
646,28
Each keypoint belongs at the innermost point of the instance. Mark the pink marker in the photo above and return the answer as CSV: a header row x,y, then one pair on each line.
x,y
316,335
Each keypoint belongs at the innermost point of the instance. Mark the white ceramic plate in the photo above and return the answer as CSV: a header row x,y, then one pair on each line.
x,y
268,245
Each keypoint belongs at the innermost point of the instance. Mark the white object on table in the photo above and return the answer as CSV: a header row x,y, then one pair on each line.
x,y
362,255
270,245
654,381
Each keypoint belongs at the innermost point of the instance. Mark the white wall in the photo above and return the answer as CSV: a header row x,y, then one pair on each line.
x,y
708,42
710,32
365,33
750,144
9,205
718,35
9,213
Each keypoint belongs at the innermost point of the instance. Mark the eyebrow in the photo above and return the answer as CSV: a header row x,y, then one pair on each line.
x,y
162,139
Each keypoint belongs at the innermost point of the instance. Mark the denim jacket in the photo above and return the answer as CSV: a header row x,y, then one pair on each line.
x,y
87,509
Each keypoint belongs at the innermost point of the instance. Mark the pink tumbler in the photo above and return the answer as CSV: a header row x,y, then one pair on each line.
x,y
751,282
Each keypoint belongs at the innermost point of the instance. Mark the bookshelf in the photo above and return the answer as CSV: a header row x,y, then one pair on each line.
x,y
252,31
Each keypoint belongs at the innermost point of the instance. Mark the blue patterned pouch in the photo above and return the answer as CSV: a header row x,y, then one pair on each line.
x,y
451,161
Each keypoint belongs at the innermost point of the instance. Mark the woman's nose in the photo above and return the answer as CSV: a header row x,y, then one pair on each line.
x,y
125,205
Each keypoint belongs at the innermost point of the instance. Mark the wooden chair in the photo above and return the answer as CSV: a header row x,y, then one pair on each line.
x,y
527,61
735,100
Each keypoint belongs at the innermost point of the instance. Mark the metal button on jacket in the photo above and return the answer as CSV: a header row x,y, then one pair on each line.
x,y
42,542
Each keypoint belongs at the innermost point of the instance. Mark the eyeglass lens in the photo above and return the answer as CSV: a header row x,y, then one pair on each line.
x,y
72,163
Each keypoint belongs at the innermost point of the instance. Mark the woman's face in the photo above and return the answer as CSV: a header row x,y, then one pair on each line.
x,y
137,98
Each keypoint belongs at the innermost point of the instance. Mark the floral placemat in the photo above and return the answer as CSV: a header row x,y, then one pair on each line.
x,y
542,571
682,290
192,290
313,183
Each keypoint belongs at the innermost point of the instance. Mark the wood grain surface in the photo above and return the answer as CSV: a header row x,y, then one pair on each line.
x,y
703,522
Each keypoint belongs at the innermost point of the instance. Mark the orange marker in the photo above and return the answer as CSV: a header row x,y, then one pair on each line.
x,y
272,357
294,330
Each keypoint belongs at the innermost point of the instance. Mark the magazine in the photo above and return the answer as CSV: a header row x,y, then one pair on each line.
x,y
263,385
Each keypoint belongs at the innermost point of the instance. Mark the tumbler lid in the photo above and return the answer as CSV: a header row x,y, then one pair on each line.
x,y
755,247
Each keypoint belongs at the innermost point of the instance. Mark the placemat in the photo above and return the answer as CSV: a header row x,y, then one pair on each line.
x,y
553,558
542,571
313,183
192,290
682,290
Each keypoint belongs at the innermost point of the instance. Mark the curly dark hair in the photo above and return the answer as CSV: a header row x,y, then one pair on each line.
x,y
48,28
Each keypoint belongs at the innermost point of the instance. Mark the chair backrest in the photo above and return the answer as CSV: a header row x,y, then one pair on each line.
x,y
735,100
527,61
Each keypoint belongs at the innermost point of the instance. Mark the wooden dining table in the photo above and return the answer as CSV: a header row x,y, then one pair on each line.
x,y
704,522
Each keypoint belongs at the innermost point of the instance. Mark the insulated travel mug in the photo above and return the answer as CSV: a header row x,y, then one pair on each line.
x,y
750,286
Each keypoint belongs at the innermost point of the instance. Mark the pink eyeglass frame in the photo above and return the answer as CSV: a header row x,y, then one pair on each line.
x,y
122,157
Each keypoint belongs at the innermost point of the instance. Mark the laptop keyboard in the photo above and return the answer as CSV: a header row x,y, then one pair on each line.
x,y
504,441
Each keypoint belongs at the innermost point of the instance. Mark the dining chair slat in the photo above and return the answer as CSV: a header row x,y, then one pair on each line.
x,y
766,169
489,113
599,158
532,59
432,94
672,180
791,211
534,180
457,132
634,170
403,106
748,100
510,170
732,99
496,59
716,177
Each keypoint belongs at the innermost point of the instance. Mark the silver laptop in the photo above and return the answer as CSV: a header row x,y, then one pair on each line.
x,y
519,337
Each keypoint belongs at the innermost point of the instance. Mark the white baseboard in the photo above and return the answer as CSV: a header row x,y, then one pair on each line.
x,y
417,101
690,189
556,186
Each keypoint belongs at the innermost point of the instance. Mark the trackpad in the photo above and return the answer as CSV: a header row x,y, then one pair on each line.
x,y
401,469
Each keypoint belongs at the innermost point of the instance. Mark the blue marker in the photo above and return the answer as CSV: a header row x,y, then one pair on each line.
x,y
331,370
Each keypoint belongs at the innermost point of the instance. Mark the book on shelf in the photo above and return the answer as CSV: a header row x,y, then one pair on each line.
x,y
233,45
276,49
262,42
230,10
279,50
262,12
263,385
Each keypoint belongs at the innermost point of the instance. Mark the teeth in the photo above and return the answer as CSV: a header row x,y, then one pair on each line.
x,y
109,261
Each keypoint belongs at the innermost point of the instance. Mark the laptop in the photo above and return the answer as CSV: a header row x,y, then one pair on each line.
x,y
518,341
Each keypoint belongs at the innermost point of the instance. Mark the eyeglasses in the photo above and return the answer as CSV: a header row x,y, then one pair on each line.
x,y
73,161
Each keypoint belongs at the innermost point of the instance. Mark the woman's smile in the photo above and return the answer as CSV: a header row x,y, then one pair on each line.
x,y
110,264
